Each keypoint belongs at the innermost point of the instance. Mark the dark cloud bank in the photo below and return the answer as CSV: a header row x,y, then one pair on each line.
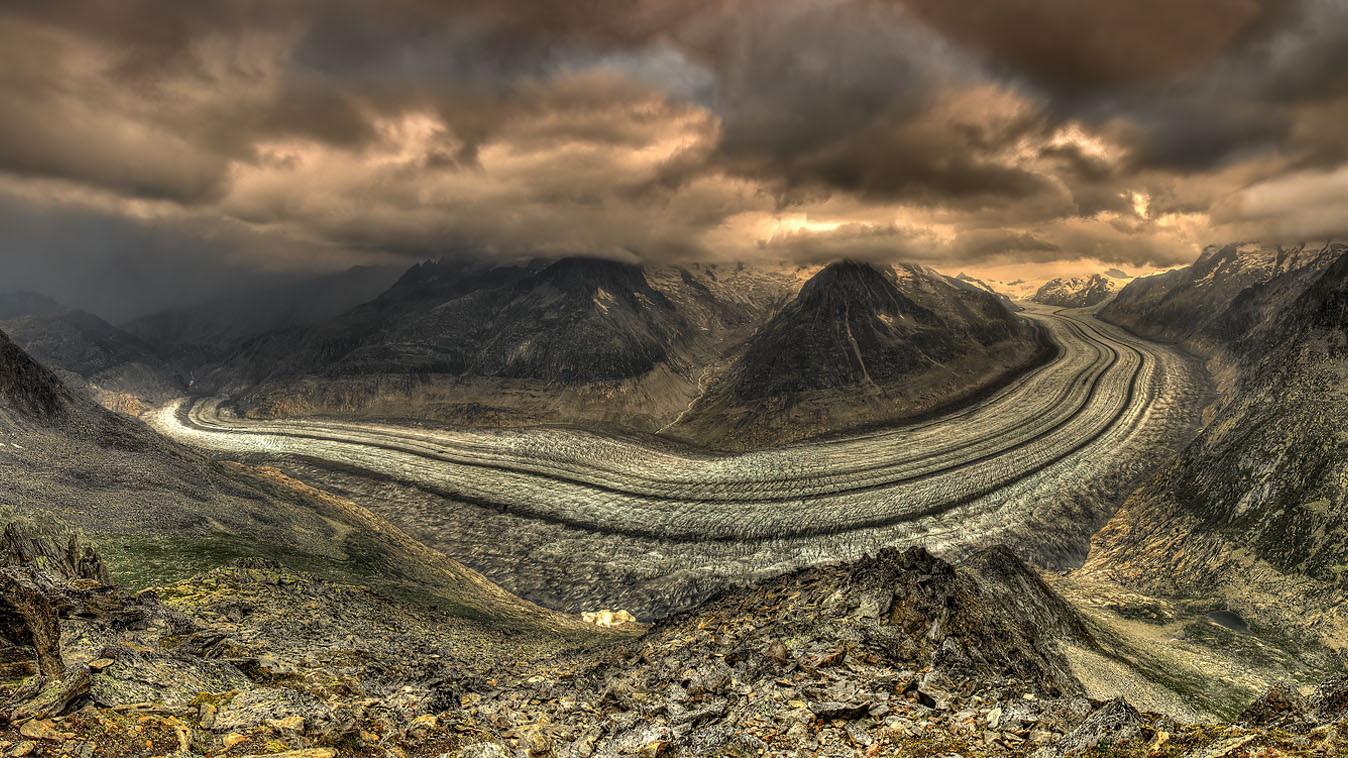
x,y
155,143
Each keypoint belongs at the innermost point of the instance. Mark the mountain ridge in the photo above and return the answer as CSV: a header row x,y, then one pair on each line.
x,y
1076,291
1248,509
858,345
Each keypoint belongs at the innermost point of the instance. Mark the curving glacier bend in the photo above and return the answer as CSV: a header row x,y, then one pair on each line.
x,y
578,519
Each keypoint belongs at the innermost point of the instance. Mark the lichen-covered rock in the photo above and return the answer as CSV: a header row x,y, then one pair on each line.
x,y
29,632
483,750
1282,706
261,706
1115,721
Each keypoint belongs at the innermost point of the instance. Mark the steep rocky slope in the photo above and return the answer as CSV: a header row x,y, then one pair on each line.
x,y
1076,291
161,511
899,654
861,344
1211,301
113,367
1251,515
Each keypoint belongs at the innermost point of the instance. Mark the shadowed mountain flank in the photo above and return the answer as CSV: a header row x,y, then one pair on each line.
x,y
862,344
113,367
161,511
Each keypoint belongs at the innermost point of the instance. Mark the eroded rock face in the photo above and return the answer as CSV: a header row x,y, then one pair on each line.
x,y
29,633
1115,721
41,579
68,559
28,627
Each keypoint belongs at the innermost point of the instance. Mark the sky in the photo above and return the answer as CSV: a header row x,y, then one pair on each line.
x,y
153,152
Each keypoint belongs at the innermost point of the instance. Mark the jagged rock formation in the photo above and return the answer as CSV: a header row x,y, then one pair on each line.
x,y
1076,291
1283,707
901,653
896,647
372,666
861,344
1250,512
1219,296
29,637
40,582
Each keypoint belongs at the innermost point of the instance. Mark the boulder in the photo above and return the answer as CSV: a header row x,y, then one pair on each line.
x,y
1114,721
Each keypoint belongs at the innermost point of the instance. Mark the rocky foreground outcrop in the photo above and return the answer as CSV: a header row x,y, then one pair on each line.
x,y
249,659
899,654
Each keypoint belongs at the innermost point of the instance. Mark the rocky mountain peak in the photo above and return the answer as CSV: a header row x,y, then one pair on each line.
x,y
885,341
1076,291
863,282
585,276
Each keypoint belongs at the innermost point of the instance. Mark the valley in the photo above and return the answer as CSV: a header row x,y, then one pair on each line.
x,y
638,522
820,379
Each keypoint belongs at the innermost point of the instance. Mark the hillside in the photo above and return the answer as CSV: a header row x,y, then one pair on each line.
x,y
861,344
113,367
1194,303
1250,517
210,330
900,653
161,512
573,341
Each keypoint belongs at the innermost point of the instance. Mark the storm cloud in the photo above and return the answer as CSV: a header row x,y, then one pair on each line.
x,y
301,134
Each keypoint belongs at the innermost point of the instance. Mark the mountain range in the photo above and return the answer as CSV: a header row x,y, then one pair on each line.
x,y
725,355
1076,291
112,366
643,348
286,618
862,345
211,330
1250,516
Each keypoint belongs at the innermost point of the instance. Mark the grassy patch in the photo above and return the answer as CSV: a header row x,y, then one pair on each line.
x,y
137,562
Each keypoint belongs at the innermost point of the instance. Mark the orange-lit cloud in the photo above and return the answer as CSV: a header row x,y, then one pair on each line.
x,y
1035,132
